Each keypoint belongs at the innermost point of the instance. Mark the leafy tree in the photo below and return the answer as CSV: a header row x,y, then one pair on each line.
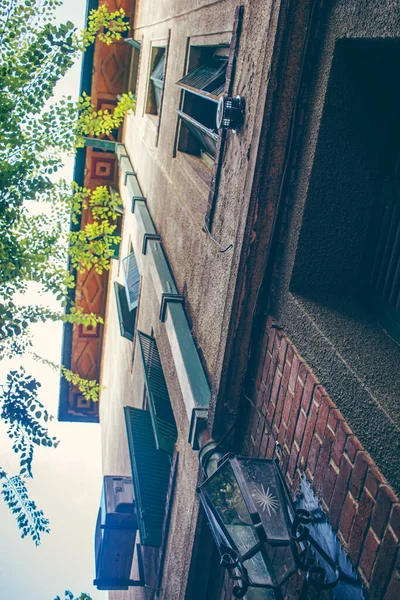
x,y
26,419
35,133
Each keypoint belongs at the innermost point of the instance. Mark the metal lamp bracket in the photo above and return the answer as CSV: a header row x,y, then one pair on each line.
x,y
149,236
127,175
137,199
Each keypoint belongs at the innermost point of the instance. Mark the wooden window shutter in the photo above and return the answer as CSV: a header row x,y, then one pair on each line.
x,y
162,416
150,470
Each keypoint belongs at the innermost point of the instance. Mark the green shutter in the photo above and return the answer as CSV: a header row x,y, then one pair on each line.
x,y
150,470
162,416
132,280
126,317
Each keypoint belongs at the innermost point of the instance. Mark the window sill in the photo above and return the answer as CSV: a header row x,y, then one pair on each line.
x,y
357,362
197,168
192,180
152,121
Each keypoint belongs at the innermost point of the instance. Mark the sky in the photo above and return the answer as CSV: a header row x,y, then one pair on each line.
x,y
67,480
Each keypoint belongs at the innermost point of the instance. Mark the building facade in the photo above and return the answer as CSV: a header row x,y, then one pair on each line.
x,y
257,289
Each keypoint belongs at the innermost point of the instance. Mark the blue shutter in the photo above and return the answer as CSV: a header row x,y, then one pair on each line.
x,y
162,416
126,317
132,280
150,470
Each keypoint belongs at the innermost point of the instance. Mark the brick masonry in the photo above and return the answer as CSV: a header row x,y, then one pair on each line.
x,y
291,407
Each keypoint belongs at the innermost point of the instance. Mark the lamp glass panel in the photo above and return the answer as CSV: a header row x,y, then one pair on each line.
x,y
262,481
224,493
282,562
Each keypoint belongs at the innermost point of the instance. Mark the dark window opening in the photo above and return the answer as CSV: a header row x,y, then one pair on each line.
x,y
345,247
349,244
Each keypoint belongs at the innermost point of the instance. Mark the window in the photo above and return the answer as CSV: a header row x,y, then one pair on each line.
x,y
154,92
202,86
127,296
132,280
126,317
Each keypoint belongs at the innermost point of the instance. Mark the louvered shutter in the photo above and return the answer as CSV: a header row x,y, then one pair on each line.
x,y
132,280
150,470
162,416
126,317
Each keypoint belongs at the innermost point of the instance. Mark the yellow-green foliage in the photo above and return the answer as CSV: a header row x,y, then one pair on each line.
x,y
92,122
100,19
89,388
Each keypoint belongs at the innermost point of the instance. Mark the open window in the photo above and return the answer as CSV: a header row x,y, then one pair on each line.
x,y
156,78
127,296
202,87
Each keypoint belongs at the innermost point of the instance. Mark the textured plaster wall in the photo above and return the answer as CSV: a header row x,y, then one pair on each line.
x,y
177,188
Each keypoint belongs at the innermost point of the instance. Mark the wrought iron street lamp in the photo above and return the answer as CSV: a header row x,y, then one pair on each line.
x,y
262,539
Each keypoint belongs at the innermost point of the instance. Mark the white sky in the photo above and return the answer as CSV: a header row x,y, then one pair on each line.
x,y
67,480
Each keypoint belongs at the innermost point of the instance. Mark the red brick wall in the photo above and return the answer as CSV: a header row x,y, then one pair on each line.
x,y
291,407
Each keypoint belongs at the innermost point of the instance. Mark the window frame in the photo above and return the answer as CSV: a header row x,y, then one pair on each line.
x,y
198,59
150,105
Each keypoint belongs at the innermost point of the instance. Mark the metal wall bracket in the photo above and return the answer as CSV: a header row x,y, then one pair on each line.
x,y
127,175
149,236
137,199
165,298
